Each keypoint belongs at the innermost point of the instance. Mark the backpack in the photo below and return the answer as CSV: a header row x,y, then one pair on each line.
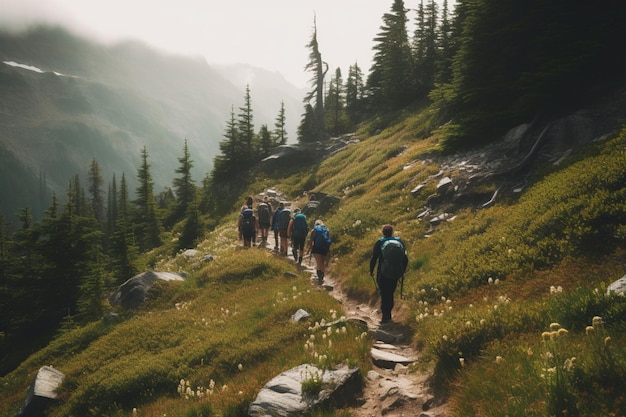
x,y
264,213
300,226
283,219
321,239
247,221
393,252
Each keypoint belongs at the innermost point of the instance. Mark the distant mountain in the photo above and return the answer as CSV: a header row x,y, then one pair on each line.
x,y
65,100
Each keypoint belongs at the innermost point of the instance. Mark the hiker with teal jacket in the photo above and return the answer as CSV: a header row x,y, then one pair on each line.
x,y
319,246
276,224
390,253
297,231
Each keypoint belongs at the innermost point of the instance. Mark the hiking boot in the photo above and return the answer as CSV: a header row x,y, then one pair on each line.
x,y
300,260
294,252
320,276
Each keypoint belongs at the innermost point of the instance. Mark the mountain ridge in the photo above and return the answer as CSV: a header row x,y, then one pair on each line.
x,y
91,101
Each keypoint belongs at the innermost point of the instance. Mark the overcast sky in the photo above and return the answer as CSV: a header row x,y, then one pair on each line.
x,y
271,34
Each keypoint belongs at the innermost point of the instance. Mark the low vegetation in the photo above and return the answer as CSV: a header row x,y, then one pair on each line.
x,y
508,304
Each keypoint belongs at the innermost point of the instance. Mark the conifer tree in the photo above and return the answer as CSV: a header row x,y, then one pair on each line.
x,y
355,94
226,162
184,188
391,83
312,127
335,112
425,47
245,128
265,142
280,131
123,249
147,228
96,199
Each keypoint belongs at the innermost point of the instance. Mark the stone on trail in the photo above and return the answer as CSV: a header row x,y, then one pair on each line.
x,y
283,396
388,360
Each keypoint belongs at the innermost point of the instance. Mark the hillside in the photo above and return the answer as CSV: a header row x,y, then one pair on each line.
x,y
506,285
65,100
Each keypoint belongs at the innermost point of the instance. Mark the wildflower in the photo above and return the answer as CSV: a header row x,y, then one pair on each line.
x,y
240,367
589,329
545,335
597,321
607,340
562,332
555,326
497,281
445,337
462,362
490,281
134,411
499,359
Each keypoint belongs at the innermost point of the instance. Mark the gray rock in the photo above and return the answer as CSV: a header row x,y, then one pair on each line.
x,y
43,392
132,293
388,360
283,396
300,315
618,287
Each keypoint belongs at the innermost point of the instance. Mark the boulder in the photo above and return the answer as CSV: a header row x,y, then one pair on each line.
x,y
283,396
43,392
132,293
618,287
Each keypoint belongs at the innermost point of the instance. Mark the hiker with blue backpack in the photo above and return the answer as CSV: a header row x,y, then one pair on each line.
x,y
297,231
247,226
319,246
390,253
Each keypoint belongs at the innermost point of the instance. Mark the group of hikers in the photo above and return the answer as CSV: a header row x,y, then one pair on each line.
x,y
286,228
388,262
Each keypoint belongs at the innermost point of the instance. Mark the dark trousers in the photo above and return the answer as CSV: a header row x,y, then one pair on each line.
x,y
386,287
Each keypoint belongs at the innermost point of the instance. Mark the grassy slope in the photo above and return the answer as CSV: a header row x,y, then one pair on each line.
x,y
478,294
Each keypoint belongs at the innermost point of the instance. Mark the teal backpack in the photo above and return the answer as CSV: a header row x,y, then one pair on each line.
x,y
392,265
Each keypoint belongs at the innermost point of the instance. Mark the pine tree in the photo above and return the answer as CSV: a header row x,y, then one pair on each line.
x,y
96,200
425,47
123,249
265,142
226,163
147,228
335,112
245,128
184,188
355,94
280,131
391,83
312,127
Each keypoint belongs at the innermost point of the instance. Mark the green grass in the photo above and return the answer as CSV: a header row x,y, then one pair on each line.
x,y
483,296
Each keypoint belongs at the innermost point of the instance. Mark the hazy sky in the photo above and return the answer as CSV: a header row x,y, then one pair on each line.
x,y
271,34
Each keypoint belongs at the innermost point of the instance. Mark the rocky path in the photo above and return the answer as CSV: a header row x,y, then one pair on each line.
x,y
391,389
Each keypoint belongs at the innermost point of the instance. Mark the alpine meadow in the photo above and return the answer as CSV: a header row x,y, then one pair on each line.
x,y
489,133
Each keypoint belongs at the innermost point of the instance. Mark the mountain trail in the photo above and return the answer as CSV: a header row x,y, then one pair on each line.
x,y
392,388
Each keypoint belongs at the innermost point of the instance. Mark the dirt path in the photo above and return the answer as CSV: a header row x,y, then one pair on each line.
x,y
391,389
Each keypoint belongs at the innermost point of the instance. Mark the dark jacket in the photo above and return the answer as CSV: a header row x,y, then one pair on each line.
x,y
377,255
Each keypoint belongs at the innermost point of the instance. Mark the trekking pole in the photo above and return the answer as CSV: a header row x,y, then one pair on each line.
x,y
375,283
402,287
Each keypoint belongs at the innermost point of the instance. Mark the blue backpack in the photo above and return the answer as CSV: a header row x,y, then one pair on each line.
x,y
300,226
321,238
247,221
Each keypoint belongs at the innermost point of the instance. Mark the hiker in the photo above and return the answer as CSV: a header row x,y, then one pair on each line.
x,y
264,212
247,226
249,201
297,231
284,217
276,224
319,246
392,258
